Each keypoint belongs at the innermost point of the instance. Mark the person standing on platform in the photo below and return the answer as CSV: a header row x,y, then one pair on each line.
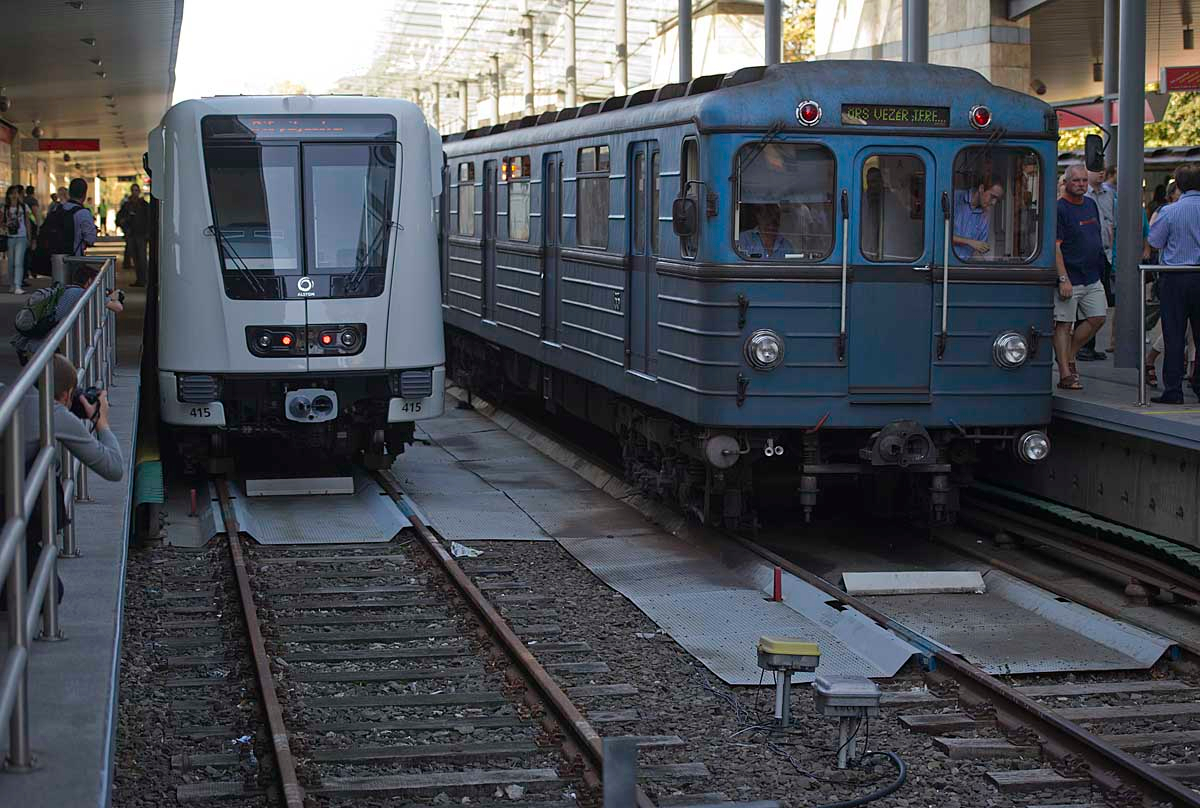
x,y
1175,233
18,227
134,220
1102,190
1080,307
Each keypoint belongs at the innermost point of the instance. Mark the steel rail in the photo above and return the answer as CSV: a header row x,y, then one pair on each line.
x,y
583,745
1106,764
285,763
1124,562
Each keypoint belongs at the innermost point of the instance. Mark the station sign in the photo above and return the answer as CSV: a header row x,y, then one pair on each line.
x,y
69,144
1184,79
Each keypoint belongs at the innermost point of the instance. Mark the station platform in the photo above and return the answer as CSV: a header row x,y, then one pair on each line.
x,y
73,683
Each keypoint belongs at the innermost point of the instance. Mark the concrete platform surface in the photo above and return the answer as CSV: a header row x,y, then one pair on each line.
x,y
73,683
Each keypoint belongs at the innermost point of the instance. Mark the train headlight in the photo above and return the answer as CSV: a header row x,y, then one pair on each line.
x,y
1010,350
764,349
1033,446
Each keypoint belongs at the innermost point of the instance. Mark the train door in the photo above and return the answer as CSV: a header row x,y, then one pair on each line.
x,y
892,248
444,232
551,243
488,304
642,206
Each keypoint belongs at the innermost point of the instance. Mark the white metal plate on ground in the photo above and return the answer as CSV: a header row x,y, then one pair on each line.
x,y
715,606
479,516
367,516
1018,628
299,486
913,582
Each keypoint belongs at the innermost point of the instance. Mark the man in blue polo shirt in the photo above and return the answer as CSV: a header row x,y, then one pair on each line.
x,y
1176,235
973,218
1079,255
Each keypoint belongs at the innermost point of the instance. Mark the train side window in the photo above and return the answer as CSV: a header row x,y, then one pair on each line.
x,y
998,203
515,171
892,208
638,200
591,197
655,188
785,208
689,176
466,199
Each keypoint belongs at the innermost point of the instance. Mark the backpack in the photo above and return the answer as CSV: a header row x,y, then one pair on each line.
x,y
39,316
57,234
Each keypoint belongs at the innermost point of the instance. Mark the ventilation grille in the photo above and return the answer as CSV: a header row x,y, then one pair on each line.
x,y
416,384
198,389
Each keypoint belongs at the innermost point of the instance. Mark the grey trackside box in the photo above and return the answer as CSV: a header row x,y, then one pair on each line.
x,y
846,696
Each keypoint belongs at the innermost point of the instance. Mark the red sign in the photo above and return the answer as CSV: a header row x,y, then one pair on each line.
x,y
7,133
1185,79
68,144
1073,115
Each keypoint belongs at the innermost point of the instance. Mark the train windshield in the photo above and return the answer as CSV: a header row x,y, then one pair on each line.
x,y
345,193
997,199
256,210
785,208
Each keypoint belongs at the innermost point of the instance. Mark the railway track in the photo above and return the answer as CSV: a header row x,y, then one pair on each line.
x,y
373,671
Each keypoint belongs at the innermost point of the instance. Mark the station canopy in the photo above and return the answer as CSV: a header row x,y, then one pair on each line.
x,y
428,41
100,70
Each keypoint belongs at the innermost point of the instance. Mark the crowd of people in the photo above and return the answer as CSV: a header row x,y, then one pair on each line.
x,y
29,237
1086,254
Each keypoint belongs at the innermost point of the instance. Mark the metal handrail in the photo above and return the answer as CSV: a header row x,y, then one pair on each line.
x,y
1144,268
87,331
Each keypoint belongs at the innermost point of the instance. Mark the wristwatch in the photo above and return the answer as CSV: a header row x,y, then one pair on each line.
x,y
1063,278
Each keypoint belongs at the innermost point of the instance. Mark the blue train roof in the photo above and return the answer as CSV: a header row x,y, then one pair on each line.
x,y
756,98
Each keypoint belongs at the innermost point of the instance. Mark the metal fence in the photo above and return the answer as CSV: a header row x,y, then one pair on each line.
x,y
87,337
1142,401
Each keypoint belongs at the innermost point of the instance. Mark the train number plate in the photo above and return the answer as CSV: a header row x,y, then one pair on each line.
x,y
895,115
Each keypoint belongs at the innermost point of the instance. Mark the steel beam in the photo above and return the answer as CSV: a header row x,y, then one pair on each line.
x,y
773,26
1129,181
918,30
437,106
685,40
495,77
621,65
527,32
1111,61
464,99
572,95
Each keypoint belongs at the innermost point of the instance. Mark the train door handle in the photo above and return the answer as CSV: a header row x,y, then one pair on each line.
x,y
922,269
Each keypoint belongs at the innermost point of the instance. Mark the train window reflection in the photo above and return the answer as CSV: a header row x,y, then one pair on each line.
x,y
255,200
349,190
466,199
997,199
892,208
784,202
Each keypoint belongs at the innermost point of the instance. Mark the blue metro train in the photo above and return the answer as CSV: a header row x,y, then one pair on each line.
x,y
787,272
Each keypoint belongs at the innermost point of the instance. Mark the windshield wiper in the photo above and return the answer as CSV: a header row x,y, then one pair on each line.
x,y
772,132
238,263
361,263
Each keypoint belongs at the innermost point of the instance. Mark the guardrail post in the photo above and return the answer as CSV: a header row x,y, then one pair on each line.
x,y
49,505
20,756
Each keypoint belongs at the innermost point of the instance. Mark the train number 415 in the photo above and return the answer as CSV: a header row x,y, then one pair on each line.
x,y
411,406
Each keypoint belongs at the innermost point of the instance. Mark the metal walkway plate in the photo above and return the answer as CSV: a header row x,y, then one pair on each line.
x,y
366,516
712,601
1018,628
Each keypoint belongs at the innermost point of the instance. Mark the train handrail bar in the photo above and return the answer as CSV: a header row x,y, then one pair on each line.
x,y
88,335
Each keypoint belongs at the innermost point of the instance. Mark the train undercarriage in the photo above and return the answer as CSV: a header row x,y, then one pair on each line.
x,y
727,477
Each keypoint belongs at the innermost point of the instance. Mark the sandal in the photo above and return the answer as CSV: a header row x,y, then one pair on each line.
x,y
1151,376
1070,383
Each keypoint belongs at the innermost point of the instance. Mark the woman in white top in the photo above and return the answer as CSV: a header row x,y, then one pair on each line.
x,y
14,218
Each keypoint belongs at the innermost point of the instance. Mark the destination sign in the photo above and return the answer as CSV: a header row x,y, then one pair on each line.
x,y
895,115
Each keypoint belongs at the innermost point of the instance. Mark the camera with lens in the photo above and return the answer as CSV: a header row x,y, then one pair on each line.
x,y
92,396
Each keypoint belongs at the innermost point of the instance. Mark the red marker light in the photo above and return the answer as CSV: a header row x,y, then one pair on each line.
x,y
326,339
808,113
981,117
286,340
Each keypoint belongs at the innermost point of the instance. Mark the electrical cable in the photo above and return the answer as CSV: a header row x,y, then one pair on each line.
x,y
901,777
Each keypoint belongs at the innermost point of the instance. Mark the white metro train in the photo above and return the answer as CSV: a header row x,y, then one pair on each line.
x,y
298,290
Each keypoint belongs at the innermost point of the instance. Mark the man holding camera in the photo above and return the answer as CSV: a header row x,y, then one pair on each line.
x,y
74,410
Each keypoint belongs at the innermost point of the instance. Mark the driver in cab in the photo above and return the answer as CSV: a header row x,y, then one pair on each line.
x,y
761,239
972,218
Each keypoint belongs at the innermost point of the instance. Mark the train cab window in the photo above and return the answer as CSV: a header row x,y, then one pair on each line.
x,y
892,208
785,207
349,189
592,198
689,185
997,203
466,199
515,171
256,216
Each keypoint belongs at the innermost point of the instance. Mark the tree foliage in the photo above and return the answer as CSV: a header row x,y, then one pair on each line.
x,y
799,30
1180,126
